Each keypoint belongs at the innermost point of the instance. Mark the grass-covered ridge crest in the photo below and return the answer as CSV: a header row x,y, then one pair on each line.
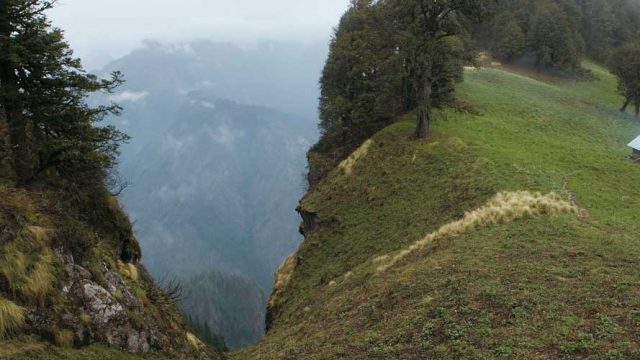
x,y
504,207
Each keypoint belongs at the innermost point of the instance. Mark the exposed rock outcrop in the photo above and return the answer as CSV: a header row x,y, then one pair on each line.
x,y
309,221
110,307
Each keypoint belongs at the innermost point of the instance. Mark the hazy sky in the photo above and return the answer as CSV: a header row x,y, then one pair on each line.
x,y
101,30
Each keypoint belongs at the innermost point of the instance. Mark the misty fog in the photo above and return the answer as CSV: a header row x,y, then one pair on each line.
x,y
100,31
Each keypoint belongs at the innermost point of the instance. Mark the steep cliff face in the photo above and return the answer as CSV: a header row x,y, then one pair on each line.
x,y
70,276
491,239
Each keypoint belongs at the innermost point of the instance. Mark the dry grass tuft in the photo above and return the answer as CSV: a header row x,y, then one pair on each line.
x,y
503,208
133,270
63,338
130,270
347,165
194,341
11,317
39,234
285,272
26,264
283,278
17,204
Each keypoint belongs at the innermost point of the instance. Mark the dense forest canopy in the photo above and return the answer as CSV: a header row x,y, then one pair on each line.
x,y
389,57
558,34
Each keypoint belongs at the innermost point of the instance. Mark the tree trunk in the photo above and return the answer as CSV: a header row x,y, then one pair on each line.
x,y
6,165
23,156
18,124
424,111
637,108
624,106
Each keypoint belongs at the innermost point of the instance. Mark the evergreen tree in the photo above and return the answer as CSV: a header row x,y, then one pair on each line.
x,y
608,24
429,36
386,58
625,64
361,84
43,89
559,33
509,40
203,331
555,39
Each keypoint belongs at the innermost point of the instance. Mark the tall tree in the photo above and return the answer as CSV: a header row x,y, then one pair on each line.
x,y
625,64
555,38
388,57
361,84
429,35
43,89
508,38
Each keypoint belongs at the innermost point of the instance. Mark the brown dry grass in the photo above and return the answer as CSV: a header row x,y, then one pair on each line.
x,y
63,338
11,317
347,165
26,263
504,207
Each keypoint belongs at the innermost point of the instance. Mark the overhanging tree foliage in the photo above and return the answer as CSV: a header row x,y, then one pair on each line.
x,y
43,91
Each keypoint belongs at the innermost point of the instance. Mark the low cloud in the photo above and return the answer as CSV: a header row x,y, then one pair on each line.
x,y
102,30
225,136
129,96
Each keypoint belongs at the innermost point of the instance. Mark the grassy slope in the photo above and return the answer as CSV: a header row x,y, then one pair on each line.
x,y
31,348
538,288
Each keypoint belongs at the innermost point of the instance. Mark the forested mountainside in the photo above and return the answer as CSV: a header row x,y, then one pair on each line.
x,y
467,205
71,282
218,137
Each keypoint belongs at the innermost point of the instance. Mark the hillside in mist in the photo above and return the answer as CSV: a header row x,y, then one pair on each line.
x,y
218,190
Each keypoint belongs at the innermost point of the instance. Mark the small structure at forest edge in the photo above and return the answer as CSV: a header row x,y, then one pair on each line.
x,y
635,145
